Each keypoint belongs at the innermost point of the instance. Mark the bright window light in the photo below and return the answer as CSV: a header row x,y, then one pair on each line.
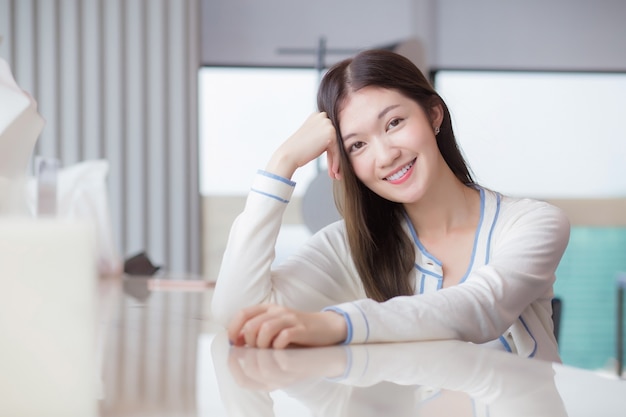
x,y
245,114
541,134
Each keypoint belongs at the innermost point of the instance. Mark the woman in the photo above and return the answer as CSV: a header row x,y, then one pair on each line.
x,y
423,252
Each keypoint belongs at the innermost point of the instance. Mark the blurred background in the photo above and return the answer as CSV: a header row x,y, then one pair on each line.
x,y
187,98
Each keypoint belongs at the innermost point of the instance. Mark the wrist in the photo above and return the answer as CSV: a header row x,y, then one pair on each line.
x,y
338,325
280,164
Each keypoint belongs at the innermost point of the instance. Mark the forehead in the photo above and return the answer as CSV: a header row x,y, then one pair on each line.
x,y
365,105
370,96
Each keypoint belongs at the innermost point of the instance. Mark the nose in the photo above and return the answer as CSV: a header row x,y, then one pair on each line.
x,y
386,152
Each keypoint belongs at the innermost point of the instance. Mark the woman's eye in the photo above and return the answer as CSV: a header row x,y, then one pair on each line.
x,y
394,123
356,146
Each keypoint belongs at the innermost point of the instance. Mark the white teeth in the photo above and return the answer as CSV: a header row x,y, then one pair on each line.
x,y
400,173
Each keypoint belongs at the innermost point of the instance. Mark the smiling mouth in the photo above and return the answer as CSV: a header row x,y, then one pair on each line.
x,y
399,174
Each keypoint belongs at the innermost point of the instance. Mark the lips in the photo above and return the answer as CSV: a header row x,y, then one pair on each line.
x,y
398,175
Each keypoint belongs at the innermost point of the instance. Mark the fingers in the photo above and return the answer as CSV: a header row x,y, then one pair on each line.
x,y
309,141
284,338
241,318
332,159
333,156
258,326
275,326
317,135
270,328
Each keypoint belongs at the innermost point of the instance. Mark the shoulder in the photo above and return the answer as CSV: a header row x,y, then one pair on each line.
x,y
521,208
528,215
512,208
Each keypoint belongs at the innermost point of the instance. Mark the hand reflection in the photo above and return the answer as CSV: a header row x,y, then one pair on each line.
x,y
426,378
270,369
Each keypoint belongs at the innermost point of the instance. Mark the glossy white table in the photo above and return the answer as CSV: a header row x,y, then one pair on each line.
x,y
161,355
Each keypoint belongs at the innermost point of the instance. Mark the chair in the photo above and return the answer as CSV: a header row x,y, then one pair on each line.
x,y
557,305
621,285
318,205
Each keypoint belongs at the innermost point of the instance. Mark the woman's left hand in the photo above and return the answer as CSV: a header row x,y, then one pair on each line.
x,y
273,326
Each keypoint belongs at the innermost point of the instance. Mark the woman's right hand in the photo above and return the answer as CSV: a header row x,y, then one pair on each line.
x,y
316,136
271,369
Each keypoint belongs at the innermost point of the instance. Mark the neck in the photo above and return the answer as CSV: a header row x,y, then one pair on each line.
x,y
446,209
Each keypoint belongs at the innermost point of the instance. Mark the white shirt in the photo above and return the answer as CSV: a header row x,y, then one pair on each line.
x,y
505,294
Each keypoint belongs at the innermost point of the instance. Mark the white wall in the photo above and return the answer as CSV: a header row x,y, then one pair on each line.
x,y
540,34
251,31
536,34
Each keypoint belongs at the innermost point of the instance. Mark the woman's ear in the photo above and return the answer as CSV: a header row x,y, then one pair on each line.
x,y
436,114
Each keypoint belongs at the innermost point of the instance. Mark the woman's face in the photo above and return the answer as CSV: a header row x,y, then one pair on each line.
x,y
391,144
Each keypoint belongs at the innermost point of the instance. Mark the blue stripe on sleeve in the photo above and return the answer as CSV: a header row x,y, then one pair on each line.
x,y
275,197
348,322
276,177
532,354
367,324
505,344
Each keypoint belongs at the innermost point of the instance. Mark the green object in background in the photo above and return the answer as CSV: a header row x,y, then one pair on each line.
x,y
586,283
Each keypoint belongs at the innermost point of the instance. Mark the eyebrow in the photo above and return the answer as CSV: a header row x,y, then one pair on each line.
x,y
387,110
380,116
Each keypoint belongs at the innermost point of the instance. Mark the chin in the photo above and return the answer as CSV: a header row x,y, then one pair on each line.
x,y
397,199
413,199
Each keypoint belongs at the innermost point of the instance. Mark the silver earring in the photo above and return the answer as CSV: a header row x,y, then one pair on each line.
x,y
436,130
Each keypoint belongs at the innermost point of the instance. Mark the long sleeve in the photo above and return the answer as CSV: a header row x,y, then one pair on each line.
x,y
527,244
505,296
319,274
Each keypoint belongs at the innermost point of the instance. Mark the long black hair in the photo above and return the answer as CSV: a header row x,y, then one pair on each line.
x,y
383,253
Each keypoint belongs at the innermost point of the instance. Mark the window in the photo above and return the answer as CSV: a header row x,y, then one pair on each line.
x,y
540,134
245,114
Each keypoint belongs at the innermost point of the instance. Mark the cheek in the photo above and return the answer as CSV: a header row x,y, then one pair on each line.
x,y
362,168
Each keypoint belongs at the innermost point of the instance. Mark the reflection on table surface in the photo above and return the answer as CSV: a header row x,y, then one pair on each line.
x,y
161,355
